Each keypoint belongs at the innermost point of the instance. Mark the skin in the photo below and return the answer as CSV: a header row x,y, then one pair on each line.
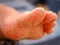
x,y
28,25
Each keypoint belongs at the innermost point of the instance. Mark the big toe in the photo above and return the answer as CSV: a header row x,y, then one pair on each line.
x,y
35,16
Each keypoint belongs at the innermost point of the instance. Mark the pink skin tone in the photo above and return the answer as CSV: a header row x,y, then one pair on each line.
x,y
28,25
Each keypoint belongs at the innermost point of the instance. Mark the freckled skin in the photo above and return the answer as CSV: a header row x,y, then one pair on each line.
x,y
28,25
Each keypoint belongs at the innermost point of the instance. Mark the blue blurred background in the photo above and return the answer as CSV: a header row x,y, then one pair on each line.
x,y
27,5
